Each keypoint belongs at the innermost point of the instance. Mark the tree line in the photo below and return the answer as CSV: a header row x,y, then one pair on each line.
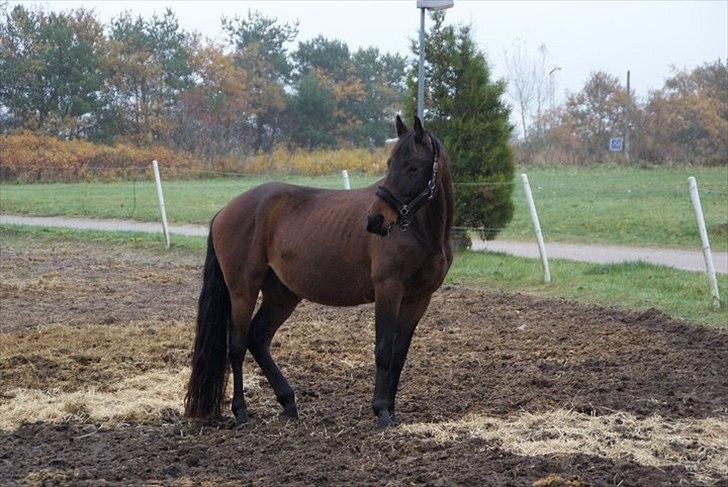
x,y
684,121
148,81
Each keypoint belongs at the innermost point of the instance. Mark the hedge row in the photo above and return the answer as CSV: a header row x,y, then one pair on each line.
x,y
27,157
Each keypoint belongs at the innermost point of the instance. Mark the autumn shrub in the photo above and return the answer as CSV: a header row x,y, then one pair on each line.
x,y
318,162
27,158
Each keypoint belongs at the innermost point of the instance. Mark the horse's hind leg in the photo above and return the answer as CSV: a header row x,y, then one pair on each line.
x,y
242,306
278,304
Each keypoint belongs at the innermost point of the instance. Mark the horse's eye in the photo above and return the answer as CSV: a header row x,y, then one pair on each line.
x,y
413,169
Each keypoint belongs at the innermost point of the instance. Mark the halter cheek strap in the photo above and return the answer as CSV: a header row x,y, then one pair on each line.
x,y
406,210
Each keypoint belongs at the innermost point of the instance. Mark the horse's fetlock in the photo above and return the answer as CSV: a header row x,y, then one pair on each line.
x,y
286,397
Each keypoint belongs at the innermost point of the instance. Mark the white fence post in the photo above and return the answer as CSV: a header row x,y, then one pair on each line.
x,y
345,175
536,228
707,254
160,198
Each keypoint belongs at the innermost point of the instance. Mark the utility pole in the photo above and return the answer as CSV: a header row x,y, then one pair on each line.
x,y
424,5
421,73
628,120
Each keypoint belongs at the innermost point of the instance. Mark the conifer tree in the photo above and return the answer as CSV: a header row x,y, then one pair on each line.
x,y
465,107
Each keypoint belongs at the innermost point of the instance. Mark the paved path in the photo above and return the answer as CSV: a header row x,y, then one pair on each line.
x,y
690,260
98,224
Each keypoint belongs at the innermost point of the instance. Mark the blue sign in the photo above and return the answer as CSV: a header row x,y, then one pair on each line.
x,y
615,144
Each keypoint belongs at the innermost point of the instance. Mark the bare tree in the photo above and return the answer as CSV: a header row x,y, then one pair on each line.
x,y
530,83
541,85
520,81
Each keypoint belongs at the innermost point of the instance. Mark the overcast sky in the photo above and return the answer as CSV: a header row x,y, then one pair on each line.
x,y
645,37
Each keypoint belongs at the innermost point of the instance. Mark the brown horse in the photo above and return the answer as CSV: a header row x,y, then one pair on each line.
x,y
389,245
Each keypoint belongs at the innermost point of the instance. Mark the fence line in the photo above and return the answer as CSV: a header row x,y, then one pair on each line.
x,y
553,184
707,254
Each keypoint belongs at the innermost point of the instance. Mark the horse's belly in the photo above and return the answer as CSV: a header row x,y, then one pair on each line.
x,y
326,280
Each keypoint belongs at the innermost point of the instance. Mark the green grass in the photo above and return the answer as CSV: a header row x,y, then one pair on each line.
x,y
605,204
624,205
629,286
187,201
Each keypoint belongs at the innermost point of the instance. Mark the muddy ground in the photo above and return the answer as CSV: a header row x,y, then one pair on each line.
x,y
84,322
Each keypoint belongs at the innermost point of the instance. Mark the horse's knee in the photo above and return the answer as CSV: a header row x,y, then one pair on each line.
x,y
258,345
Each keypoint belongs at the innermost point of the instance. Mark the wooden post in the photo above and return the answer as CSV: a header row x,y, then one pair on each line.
x,y
160,199
707,254
536,228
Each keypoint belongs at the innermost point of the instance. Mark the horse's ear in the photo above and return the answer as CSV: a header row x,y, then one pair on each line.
x,y
401,129
419,130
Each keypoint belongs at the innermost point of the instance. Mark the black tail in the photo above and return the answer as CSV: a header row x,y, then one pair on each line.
x,y
206,388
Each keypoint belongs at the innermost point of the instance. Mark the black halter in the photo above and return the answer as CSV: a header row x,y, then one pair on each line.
x,y
405,211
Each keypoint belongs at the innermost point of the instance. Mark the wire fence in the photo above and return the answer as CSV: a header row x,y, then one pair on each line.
x,y
611,210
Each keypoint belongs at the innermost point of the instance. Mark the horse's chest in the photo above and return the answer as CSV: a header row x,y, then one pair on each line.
x,y
430,275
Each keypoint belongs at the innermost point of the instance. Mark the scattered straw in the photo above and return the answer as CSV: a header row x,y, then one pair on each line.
x,y
699,445
139,399
48,282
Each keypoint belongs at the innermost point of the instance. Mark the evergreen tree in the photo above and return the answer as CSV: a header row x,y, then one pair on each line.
x,y
311,109
465,108
50,69
260,49
381,77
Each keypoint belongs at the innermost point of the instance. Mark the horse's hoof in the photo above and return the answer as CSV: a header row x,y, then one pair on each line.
x,y
290,412
385,421
241,418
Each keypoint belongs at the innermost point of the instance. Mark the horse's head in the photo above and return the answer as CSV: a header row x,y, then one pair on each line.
x,y
410,182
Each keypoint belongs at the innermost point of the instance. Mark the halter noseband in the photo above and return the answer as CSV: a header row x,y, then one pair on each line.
x,y
405,211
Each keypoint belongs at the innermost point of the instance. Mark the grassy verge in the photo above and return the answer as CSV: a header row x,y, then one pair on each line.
x,y
631,286
618,205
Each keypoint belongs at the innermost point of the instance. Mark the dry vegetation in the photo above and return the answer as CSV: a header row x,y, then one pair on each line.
x,y
30,157
701,445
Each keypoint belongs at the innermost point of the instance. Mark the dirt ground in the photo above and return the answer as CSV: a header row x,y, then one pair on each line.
x,y
498,389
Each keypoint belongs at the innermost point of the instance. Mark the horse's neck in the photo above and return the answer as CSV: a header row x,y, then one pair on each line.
x,y
438,215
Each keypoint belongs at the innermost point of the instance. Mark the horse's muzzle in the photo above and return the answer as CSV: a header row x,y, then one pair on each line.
x,y
375,224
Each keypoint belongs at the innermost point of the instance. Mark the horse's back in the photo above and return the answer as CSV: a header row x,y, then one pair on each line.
x,y
315,240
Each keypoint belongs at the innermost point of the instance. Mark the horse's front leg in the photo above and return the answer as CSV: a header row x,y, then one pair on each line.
x,y
409,316
386,310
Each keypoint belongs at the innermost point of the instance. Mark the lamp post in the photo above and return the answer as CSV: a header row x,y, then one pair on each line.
x,y
426,5
552,87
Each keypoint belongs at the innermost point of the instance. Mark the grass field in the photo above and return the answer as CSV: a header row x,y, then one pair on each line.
x,y
607,204
636,286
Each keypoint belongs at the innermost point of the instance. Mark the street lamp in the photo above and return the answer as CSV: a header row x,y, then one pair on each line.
x,y
426,5
552,87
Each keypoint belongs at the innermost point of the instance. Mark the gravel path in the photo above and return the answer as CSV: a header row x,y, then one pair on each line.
x,y
691,260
